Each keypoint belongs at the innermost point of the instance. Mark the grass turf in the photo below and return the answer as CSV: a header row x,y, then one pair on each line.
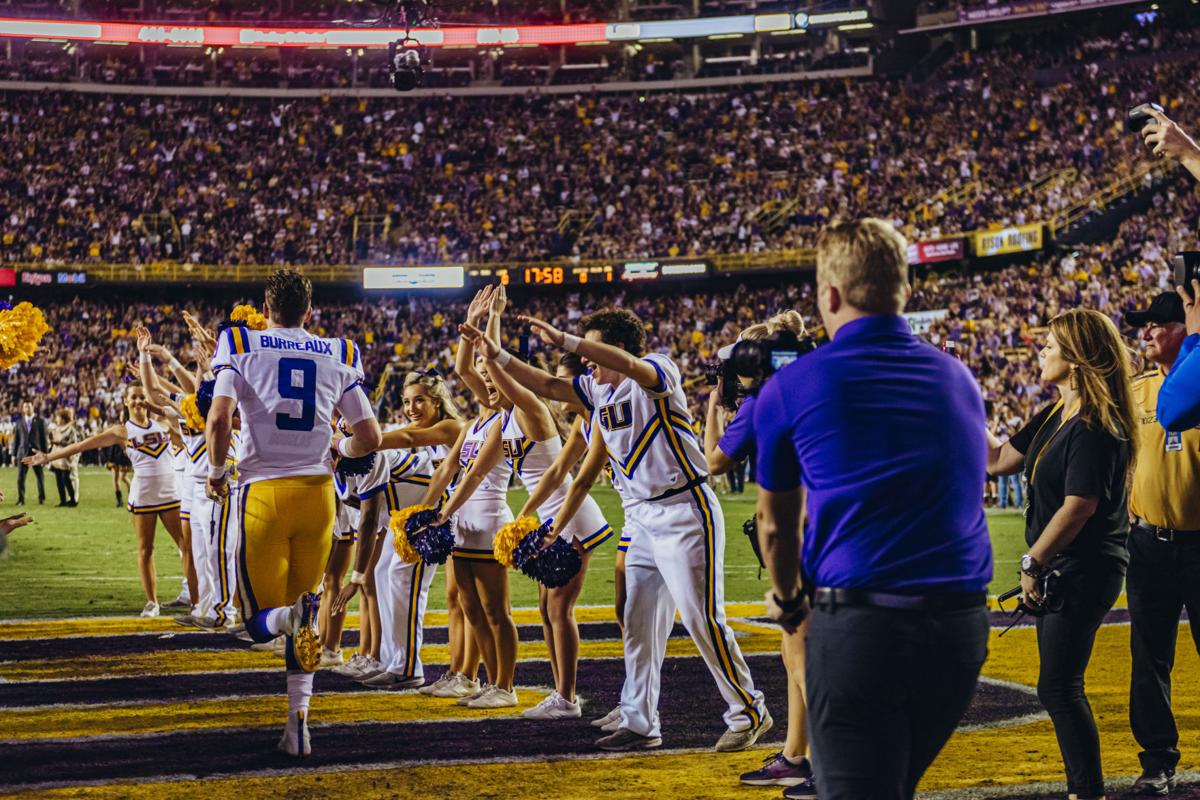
x,y
82,561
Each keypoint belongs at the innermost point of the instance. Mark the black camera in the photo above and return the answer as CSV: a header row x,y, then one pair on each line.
x,y
1139,117
756,360
1187,269
407,69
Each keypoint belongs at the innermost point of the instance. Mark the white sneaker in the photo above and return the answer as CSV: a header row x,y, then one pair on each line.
x,y
351,668
480,691
495,697
463,687
295,736
554,707
608,719
331,658
279,646
438,685
150,610
370,668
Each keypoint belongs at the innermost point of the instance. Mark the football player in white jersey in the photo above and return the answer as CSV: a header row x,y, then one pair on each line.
x,y
533,447
675,559
286,383
152,496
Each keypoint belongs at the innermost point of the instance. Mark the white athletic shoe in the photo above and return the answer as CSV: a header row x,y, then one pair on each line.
x,y
463,687
295,736
611,717
554,707
150,610
351,668
279,646
480,691
370,668
331,658
495,697
438,685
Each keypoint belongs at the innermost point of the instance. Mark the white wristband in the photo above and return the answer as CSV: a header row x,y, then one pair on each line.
x,y
175,363
571,342
358,577
216,473
502,359
144,358
343,446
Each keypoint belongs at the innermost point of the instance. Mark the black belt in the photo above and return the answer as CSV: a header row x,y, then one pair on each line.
x,y
1162,534
687,487
949,601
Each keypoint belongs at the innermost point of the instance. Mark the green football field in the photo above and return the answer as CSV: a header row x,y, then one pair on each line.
x,y
82,561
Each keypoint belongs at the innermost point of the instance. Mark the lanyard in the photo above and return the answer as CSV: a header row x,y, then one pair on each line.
x,y
1067,415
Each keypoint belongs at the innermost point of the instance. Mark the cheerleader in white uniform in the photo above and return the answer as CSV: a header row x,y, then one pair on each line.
x,y
533,448
478,508
434,423
153,495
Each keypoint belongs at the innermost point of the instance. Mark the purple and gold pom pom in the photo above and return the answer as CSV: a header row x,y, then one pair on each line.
x,y
432,543
553,565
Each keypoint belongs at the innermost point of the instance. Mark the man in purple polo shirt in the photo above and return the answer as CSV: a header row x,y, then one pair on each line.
x,y
880,438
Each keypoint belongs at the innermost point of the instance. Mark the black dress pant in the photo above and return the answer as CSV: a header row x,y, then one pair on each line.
x,y
885,691
1164,577
66,490
1065,640
737,478
39,473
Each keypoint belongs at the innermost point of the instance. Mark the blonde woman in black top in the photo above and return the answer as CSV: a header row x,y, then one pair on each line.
x,y
1076,455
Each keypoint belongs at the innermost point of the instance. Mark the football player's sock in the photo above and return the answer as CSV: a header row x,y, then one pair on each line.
x,y
258,628
299,685
279,620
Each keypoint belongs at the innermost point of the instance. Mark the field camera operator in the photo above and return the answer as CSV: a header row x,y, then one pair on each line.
x,y
1076,455
880,438
743,368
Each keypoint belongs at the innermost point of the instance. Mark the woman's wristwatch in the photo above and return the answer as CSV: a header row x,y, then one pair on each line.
x,y
1030,566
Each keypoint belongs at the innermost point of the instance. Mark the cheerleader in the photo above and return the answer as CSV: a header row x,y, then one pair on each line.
x,y
478,508
533,449
434,425
153,496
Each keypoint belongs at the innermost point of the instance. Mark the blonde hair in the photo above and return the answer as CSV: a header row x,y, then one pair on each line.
x,y
1103,372
867,260
784,321
438,390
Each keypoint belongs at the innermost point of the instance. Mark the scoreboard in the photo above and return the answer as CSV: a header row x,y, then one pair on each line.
x,y
552,274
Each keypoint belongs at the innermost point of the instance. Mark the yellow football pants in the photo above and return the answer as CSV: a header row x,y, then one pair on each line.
x,y
287,531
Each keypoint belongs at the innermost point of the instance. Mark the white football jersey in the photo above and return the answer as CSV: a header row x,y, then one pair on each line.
x,y
287,384
652,446
149,448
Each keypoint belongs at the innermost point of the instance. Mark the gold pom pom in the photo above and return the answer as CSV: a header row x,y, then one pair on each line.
x,y
508,537
249,315
404,549
21,329
191,412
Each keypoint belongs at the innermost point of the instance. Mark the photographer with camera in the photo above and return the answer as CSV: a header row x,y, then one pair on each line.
x,y
1164,548
851,434
1076,455
744,368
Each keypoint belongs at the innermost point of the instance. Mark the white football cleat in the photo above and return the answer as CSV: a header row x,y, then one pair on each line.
x,y
554,707
295,740
150,610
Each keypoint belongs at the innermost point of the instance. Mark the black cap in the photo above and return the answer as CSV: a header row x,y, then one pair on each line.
x,y
1166,307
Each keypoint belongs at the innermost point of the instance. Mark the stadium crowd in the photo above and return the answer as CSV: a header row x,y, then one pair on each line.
x,y
139,179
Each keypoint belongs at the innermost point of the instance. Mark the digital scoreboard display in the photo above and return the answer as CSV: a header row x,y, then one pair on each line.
x,y
410,278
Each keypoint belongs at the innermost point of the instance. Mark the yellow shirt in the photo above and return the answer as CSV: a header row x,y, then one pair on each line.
x,y
1168,464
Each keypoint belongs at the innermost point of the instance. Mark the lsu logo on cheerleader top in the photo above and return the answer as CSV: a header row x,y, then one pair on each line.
x,y
152,444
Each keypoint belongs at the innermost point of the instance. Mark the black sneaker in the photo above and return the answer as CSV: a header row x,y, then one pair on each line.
x,y
1155,782
805,790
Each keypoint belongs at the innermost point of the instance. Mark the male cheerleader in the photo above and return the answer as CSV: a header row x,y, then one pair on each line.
x,y
676,555
286,384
